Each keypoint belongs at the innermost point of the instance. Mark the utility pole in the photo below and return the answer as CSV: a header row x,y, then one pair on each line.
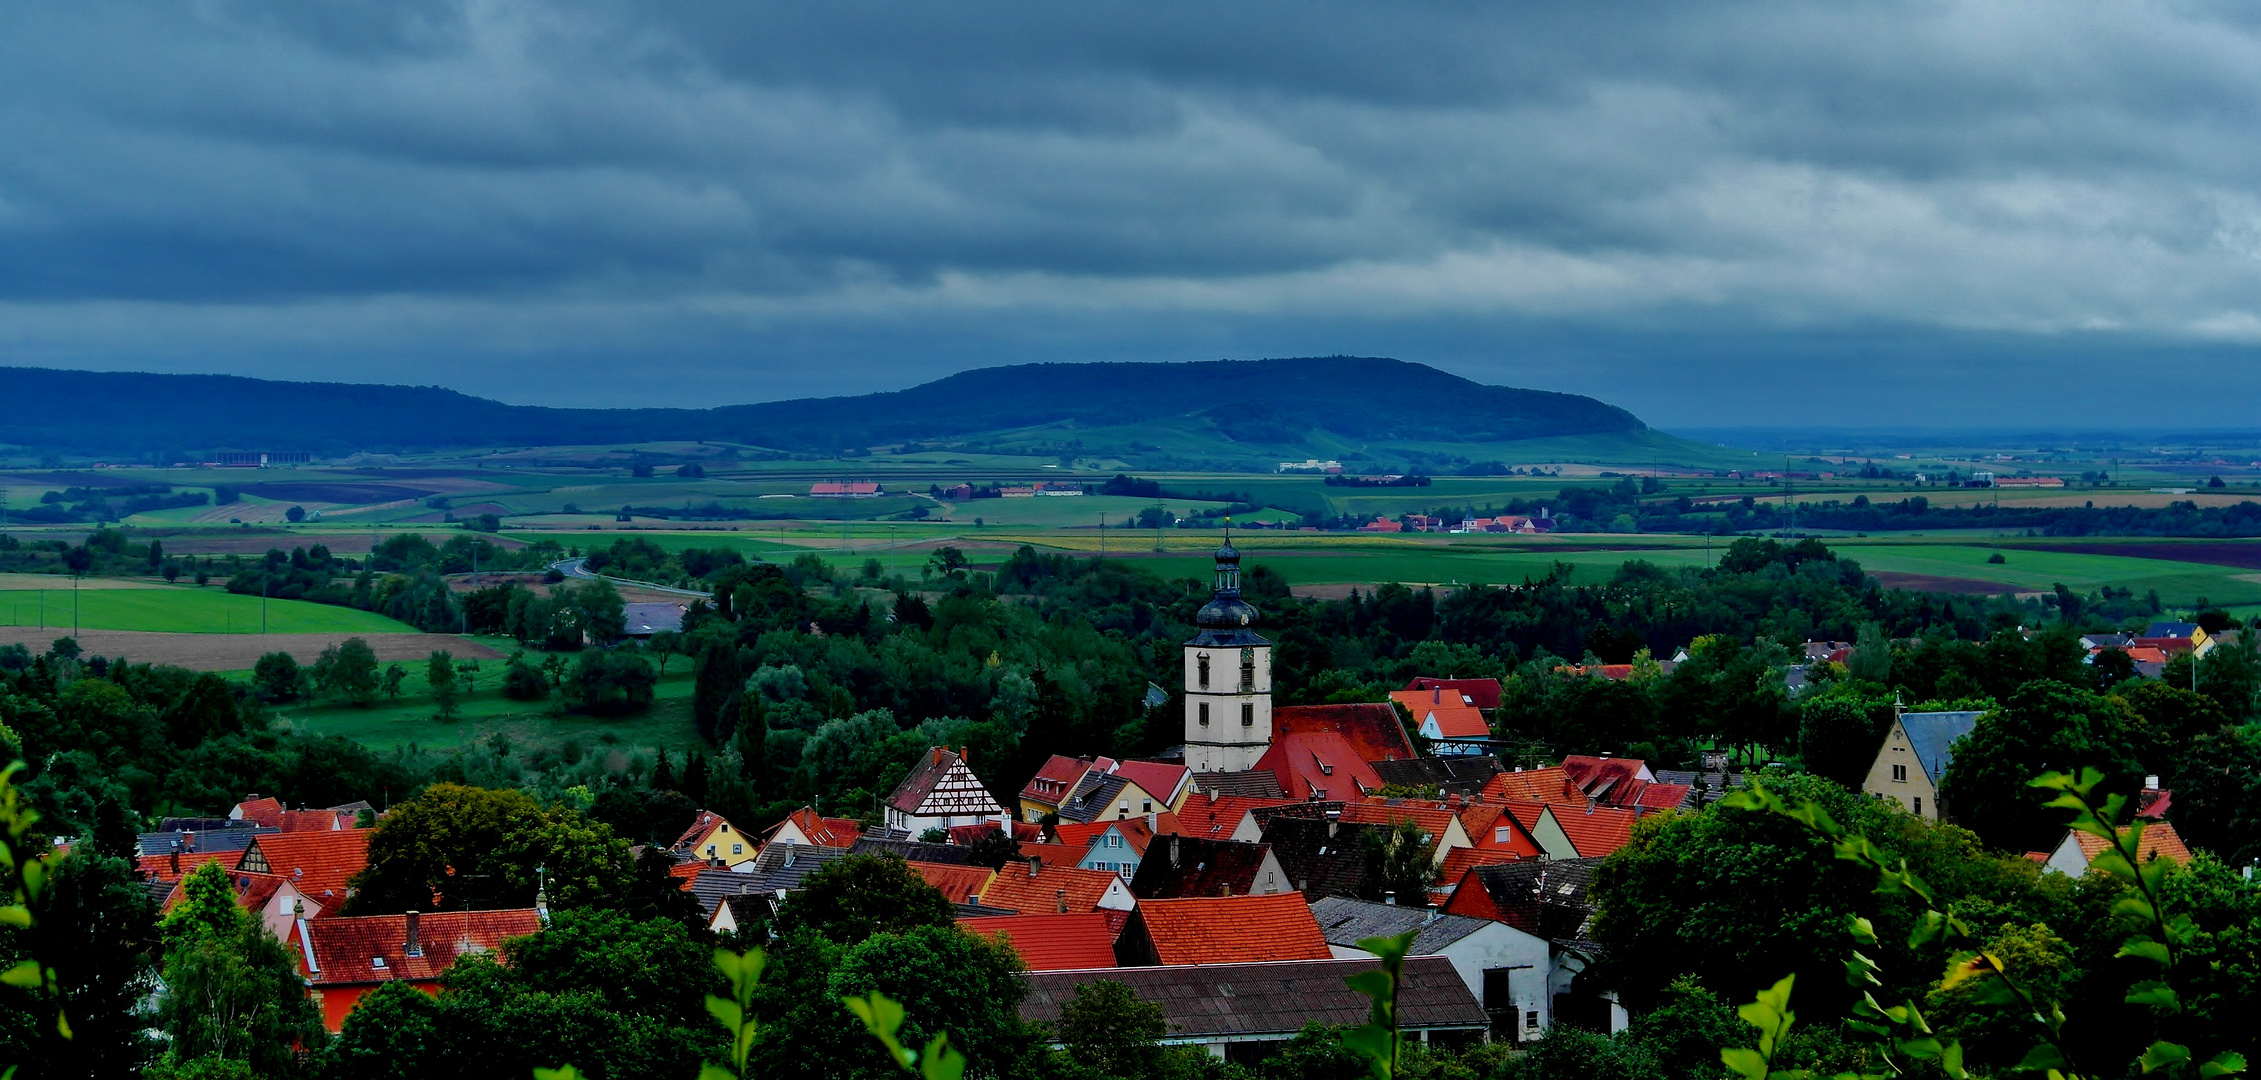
x,y
262,600
1103,534
1159,514
74,605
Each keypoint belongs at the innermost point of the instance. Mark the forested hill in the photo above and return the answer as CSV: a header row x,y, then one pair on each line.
x,y
1262,405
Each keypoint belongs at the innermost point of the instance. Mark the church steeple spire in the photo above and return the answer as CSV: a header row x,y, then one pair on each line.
x,y
1228,677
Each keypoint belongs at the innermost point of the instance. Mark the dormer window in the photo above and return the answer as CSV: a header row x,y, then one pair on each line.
x,y
377,962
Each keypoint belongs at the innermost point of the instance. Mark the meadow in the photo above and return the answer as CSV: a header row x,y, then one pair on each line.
x,y
180,609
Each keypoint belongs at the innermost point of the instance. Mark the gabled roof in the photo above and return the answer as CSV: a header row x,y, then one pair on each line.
x,y
956,882
786,866
1592,772
1430,816
1346,922
1056,779
338,951
1053,854
160,867
1136,835
1247,783
1319,765
259,811
1463,774
1227,1001
1371,728
1547,898
1594,831
1459,860
1092,796
909,850
1035,889
230,839
1026,832
712,885
1160,779
2170,630
704,824
1053,942
1534,785
822,831
317,863
1932,735
2159,841
1320,857
1231,929
941,784
1483,693
1485,823
1461,723
1216,816
1198,866
252,890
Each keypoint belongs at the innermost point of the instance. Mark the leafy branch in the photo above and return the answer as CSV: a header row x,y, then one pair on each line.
x,y
883,1017
1378,1039
20,861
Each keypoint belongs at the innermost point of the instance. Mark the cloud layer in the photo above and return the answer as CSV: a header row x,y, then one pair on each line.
x,y
1712,214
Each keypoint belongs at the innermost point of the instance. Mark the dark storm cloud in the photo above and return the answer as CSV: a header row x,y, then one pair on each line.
x,y
1688,209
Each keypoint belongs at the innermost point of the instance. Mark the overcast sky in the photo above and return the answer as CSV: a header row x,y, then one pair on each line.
x,y
1765,213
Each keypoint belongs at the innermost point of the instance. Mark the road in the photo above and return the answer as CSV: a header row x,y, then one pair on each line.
x,y
578,568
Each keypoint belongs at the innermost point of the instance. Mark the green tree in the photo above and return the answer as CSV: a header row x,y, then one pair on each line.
x,y
391,1034
482,848
355,671
1840,729
1109,1030
276,676
1400,860
296,514
714,682
94,915
855,897
395,675
948,981
233,991
439,675
2041,727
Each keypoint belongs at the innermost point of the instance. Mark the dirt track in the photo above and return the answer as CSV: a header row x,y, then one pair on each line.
x,y
237,652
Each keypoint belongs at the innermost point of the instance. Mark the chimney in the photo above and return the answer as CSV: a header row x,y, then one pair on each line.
x,y
415,944
1436,695
1060,900
1390,898
1034,865
1225,889
788,853
176,858
973,898
1151,818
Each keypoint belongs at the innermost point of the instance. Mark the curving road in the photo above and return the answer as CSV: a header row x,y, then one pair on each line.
x,y
578,568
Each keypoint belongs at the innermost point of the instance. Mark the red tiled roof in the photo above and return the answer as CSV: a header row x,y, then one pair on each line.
x,y
1485,692
1432,817
2152,804
318,863
1319,765
1535,785
1461,723
1156,778
1659,796
1027,832
1371,728
1057,779
1054,942
317,820
252,890
1233,929
1518,818
160,867
954,881
2160,841
683,872
1053,854
268,811
1215,817
1016,889
702,824
821,831
1083,835
343,948
1458,860
1594,831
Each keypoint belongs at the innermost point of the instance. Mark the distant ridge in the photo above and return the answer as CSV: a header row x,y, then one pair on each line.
x,y
1259,405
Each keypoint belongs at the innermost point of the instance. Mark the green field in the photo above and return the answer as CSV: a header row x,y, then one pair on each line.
x,y
183,610
485,713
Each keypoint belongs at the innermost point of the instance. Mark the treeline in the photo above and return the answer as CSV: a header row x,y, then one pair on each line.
x,y
79,504
402,578
643,560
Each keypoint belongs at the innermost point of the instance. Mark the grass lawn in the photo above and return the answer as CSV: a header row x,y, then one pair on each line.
x,y
485,713
184,610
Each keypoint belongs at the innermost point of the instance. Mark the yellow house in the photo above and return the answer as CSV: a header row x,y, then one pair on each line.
x,y
1914,758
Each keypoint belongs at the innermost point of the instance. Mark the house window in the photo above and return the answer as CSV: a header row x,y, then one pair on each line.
x,y
1899,774
1146,807
1204,714
1114,839
1128,869
1248,714
1919,806
1247,670
1531,1020
737,849
1201,664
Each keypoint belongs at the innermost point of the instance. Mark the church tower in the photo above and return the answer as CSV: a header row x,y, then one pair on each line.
x,y
1228,679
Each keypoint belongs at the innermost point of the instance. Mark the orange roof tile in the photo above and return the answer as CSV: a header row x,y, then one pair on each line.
x,y
318,863
1319,765
268,811
1054,942
160,867
1371,728
252,890
1214,817
1233,929
1156,778
2160,840
1484,692
1016,889
1547,785
702,823
1594,831
345,949
1432,817
1458,860
956,882
1053,854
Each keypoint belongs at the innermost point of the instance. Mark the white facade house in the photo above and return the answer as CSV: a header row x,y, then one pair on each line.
x,y
940,793
1508,970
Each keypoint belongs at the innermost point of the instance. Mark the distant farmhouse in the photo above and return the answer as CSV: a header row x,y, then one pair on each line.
x,y
846,489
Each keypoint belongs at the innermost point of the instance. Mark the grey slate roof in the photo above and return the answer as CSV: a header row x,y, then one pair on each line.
x,y
1254,783
1543,897
158,890
713,886
1320,857
2170,629
236,839
1462,775
1213,1001
910,850
1932,735
786,866
1180,866
1092,796
1347,922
